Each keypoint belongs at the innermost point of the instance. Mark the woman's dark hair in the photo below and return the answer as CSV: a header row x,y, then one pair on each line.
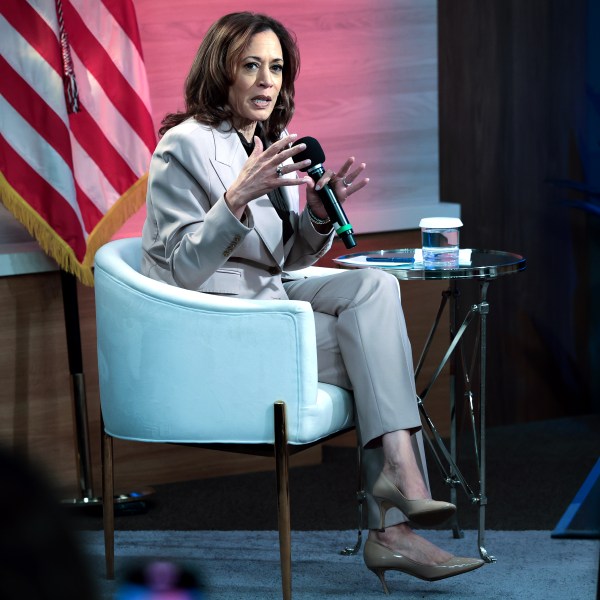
x,y
213,72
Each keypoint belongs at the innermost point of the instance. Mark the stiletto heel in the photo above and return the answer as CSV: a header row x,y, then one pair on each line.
x,y
422,512
381,574
382,511
379,559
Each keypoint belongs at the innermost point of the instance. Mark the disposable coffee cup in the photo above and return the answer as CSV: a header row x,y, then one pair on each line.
x,y
440,242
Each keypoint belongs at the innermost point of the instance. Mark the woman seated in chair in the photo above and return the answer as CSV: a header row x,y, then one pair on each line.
x,y
223,217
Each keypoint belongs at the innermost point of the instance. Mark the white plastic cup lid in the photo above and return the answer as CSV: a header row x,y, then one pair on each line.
x,y
440,223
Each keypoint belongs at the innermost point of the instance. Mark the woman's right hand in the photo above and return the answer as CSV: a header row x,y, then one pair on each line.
x,y
260,174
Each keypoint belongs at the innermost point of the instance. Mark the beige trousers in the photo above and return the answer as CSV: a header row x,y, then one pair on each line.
x,y
363,346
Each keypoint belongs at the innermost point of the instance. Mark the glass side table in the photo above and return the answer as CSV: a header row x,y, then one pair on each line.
x,y
483,266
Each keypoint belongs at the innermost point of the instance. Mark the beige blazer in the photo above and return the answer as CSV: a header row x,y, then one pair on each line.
x,y
190,237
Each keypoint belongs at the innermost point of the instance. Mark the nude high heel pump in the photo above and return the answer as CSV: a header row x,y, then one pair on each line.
x,y
421,512
380,559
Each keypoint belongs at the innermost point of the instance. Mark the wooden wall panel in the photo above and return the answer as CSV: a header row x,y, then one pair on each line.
x,y
511,91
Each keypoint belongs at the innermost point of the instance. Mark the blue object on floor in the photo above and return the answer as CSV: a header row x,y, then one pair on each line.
x,y
581,520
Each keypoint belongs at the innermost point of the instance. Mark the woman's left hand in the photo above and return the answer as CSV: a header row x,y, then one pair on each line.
x,y
344,183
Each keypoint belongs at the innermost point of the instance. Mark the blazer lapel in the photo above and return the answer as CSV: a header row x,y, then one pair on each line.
x,y
229,160
229,154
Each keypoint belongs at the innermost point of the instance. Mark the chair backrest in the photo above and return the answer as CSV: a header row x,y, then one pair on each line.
x,y
182,366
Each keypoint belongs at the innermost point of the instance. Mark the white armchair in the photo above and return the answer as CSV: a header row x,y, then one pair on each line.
x,y
177,366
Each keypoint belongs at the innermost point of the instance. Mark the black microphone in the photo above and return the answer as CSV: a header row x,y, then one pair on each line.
x,y
334,209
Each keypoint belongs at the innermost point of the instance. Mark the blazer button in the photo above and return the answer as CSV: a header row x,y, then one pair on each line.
x,y
231,247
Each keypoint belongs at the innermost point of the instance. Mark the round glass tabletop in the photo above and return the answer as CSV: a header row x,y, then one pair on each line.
x,y
407,263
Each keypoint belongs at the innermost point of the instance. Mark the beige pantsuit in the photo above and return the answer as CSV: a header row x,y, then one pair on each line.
x,y
191,239
363,345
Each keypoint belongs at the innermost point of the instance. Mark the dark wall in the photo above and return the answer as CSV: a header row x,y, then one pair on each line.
x,y
512,112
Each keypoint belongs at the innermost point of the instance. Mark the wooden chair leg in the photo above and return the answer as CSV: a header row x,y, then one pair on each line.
x,y
108,507
283,499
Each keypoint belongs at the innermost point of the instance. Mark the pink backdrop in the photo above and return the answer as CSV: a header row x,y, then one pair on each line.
x,y
367,87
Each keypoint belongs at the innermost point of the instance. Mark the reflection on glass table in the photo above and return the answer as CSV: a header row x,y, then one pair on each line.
x,y
407,263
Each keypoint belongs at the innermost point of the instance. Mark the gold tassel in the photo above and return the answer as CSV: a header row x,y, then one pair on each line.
x,y
53,245
126,206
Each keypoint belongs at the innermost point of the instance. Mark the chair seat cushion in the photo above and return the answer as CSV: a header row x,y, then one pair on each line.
x,y
333,411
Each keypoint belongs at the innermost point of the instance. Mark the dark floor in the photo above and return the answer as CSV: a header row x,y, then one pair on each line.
x,y
533,472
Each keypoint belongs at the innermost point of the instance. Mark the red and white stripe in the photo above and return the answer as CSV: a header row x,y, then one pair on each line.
x,y
73,167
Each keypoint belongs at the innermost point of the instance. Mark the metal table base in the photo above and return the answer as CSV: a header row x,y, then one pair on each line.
x,y
485,266
447,459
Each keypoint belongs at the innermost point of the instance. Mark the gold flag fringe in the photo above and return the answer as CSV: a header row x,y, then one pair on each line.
x,y
53,245
126,206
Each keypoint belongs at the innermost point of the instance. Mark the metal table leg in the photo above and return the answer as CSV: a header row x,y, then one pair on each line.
x,y
453,293
451,473
483,312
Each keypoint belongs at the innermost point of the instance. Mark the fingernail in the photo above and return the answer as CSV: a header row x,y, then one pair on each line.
x,y
317,187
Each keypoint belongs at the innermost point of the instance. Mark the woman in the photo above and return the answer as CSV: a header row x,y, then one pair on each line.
x,y
223,217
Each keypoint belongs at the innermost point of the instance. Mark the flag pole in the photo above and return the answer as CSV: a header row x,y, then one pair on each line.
x,y
71,309
80,415
131,502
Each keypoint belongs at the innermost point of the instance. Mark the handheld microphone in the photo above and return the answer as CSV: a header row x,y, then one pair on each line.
x,y
334,209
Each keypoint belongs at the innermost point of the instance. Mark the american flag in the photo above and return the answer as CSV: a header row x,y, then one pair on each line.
x,y
76,131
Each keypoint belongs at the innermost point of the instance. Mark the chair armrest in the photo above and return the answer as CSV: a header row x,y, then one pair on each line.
x,y
224,360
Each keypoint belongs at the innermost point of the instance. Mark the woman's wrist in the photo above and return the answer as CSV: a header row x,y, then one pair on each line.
x,y
315,219
238,211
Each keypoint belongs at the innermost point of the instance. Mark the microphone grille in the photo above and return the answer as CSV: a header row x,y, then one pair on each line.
x,y
313,151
